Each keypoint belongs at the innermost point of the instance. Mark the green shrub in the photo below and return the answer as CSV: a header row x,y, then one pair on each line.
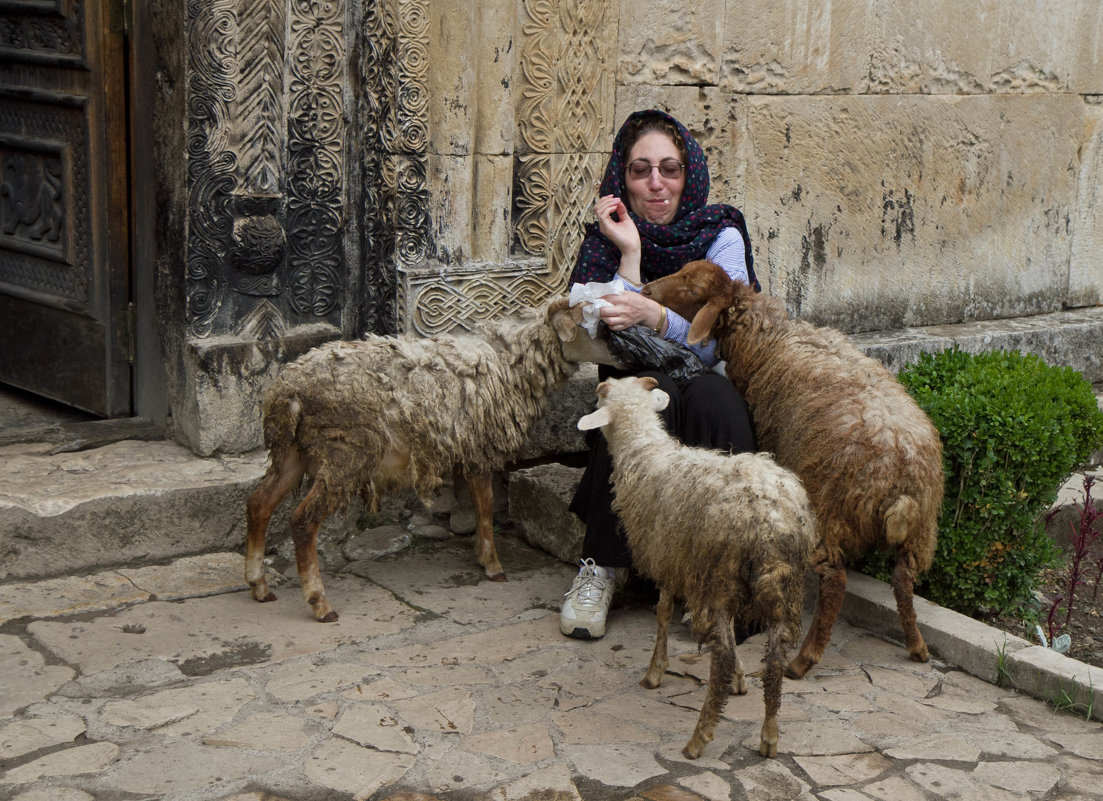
x,y
1013,430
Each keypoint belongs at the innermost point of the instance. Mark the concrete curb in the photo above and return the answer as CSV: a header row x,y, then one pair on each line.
x,y
979,649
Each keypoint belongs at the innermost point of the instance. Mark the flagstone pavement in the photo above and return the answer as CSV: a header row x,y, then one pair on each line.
x,y
170,682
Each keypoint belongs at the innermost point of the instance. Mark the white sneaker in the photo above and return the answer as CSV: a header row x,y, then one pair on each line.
x,y
586,606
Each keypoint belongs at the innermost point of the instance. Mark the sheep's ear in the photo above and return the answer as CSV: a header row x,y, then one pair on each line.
x,y
559,313
647,382
603,389
703,321
596,419
558,305
659,399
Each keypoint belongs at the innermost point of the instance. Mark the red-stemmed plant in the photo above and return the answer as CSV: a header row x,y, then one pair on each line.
x,y
1084,535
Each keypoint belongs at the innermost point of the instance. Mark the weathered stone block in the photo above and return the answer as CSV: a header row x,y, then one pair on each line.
x,y
989,46
538,501
962,206
670,42
227,377
1085,262
556,433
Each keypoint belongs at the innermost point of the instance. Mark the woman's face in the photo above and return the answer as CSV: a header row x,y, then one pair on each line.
x,y
654,197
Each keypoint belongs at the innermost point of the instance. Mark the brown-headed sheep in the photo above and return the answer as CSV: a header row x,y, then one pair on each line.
x,y
731,535
386,413
869,457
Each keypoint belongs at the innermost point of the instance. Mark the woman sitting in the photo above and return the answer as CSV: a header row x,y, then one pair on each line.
x,y
652,219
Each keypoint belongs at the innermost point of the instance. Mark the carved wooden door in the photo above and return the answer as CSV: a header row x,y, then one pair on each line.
x,y
64,265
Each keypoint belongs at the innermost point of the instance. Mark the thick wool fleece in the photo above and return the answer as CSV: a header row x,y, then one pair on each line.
x,y
869,456
453,402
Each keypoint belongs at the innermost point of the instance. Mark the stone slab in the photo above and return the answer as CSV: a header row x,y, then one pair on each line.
x,y
1066,683
27,736
445,579
181,766
71,761
209,632
24,675
374,726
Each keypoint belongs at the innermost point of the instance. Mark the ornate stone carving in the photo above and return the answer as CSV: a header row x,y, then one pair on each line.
x,y
259,112
562,87
411,143
264,322
560,119
316,140
393,114
211,85
259,244
436,303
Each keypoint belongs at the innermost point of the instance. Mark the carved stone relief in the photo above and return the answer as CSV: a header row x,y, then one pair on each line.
x,y
564,96
565,102
259,245
394,153
316,165
266,164
211,86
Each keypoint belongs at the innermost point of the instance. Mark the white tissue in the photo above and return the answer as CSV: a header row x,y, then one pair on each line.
x,y
591,294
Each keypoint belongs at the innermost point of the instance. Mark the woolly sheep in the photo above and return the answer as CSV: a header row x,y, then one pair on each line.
x,y
385,413
730,535
869,457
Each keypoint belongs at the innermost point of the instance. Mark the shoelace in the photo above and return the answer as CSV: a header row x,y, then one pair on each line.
x,y
589,586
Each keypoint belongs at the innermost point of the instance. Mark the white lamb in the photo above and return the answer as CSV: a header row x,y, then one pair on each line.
x,y
731,535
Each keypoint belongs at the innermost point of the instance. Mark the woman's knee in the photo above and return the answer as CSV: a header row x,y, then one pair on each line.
x,y
715,414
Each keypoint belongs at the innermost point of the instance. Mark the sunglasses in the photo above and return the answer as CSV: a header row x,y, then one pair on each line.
x,y
668,168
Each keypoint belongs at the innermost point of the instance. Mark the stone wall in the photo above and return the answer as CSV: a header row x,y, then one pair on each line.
x,y
419,166
899,163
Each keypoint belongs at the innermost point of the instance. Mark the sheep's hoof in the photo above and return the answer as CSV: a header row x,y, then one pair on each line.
x,y
798,667
497,577
767,748
328,617
271,596
739,686
920,656
649,682
693,749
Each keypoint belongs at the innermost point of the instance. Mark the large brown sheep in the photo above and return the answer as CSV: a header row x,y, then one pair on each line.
x,y
869,457
386,413
732,536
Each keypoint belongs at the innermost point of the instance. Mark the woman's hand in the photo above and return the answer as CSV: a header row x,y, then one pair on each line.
x,y
622,231
628,309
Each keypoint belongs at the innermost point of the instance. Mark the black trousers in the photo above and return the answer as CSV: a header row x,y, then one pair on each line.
x,y
707,412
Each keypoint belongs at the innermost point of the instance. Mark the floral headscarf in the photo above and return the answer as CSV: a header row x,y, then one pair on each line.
x,y
666,248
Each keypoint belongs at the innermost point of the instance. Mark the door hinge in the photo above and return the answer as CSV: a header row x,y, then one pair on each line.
x,y
118,20
130,348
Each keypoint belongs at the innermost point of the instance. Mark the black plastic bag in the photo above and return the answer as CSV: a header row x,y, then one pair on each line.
x,y
640,348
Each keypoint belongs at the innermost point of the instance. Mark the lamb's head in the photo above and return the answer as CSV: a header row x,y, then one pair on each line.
x,y
618,393
698,292
576,343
